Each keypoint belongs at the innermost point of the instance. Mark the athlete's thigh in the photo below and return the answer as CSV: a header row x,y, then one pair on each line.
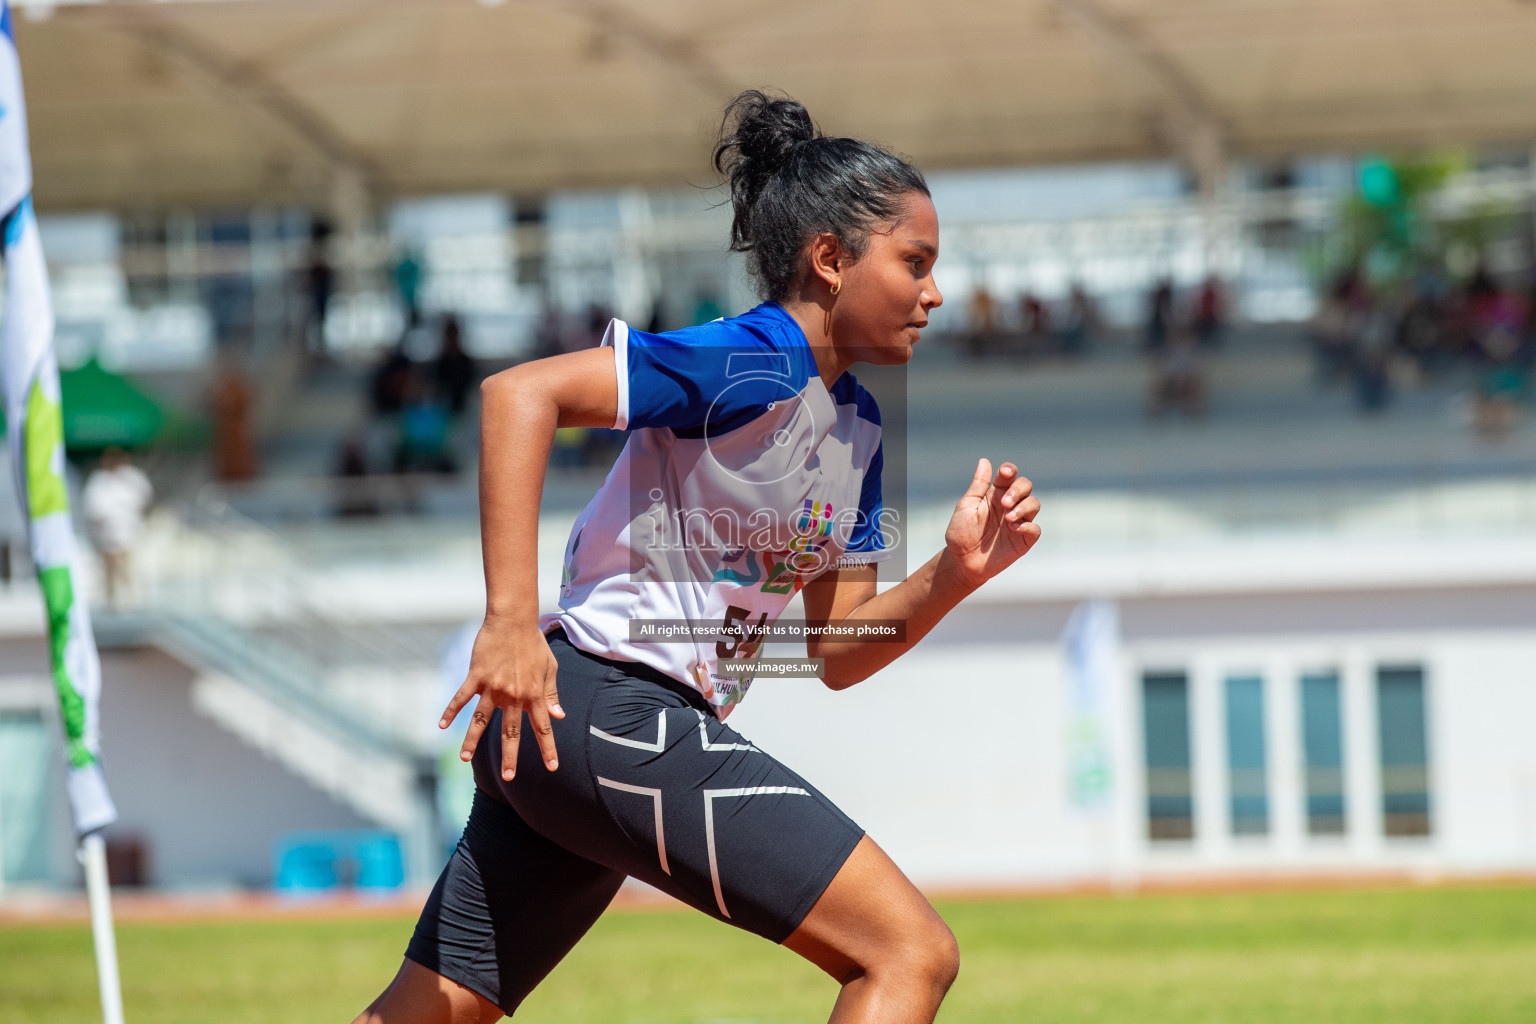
x,y
508,906
710,818
870,912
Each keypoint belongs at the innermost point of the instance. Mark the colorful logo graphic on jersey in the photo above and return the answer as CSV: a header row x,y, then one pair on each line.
x,y
814,520
745,567
738,566
813,533
785,571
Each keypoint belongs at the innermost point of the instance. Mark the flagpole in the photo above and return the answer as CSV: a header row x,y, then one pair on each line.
x,y
93,857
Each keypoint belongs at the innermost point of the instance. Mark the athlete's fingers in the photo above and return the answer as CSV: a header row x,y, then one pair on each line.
x,y
477,724
1025,511
980,481
1006,472
1017,491
456,704
551,694
511,739
544,732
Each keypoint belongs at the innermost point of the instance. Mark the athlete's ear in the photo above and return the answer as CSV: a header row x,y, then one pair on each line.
x,y
827,262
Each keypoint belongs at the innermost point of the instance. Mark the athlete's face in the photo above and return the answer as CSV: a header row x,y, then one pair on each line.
x,y
886,294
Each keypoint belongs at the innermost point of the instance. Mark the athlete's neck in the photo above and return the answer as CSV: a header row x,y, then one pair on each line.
x,y
812,317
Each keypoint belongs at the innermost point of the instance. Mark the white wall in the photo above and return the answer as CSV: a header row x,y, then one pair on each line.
x,y
954,758
208,807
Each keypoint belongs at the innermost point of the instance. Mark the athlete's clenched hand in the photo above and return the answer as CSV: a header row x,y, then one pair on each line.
x,y
511,668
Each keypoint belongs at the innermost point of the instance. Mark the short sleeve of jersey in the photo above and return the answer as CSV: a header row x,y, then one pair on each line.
x,y
716,373
866,543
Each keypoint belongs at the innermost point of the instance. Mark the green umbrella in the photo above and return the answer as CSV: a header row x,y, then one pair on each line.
x,y
102,409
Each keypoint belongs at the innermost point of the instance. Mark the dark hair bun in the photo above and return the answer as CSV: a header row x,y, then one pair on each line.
x,y
760,132
789,182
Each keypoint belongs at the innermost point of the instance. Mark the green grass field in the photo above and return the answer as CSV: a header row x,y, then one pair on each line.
x,y
1394,957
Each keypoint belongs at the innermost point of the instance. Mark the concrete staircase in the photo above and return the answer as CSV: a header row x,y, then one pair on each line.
x,y
347,706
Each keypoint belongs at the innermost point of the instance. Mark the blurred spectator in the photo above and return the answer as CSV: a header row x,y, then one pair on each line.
x,y
355,497
1159,315
408,284
1336,329
1178,379
321,279
981,317
1210,313
1499,331
454,371
424,432
1372,353
1419,329
1080,323
1036,318
391,381
234,448
116,497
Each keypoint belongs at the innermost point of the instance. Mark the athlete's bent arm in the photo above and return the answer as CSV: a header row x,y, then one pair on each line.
x,y
992,527
512,667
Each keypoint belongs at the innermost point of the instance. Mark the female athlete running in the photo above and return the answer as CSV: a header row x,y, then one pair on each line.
x,y
752,471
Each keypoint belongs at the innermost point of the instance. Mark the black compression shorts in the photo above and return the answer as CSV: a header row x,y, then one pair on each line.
x,y
651,785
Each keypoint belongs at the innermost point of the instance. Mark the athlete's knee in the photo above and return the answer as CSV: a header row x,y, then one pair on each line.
x,y
942,958
926,953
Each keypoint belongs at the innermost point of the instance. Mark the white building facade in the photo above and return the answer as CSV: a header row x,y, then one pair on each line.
x,y
1327,703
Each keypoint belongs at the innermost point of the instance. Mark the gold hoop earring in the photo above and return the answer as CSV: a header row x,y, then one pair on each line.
x,y
837,286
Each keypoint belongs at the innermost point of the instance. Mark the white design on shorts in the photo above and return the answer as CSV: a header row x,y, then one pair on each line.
x,y
655,794
710,795
657,747
704,739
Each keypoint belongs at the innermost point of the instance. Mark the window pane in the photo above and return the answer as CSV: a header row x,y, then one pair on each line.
x,y
26,819
1322,738
1165,712
1247,779
1404,751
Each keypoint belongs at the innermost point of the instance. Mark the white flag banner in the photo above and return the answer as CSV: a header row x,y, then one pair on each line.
x,y
1091,645
35,426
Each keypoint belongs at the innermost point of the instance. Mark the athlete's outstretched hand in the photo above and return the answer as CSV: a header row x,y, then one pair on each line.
x,y
511,668
993,524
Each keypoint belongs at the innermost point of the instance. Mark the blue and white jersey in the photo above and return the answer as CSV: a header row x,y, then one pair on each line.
x,y
742,479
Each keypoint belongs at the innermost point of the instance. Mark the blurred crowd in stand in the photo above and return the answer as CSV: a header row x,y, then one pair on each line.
x,y
1177,331
1477,335
1177,336
415,411
1034,328
1382,339
420,409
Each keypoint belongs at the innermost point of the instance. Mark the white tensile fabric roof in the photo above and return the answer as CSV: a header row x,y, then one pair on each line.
x,y
207,102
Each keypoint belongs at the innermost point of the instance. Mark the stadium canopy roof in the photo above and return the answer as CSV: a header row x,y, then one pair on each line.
x,y
207,102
